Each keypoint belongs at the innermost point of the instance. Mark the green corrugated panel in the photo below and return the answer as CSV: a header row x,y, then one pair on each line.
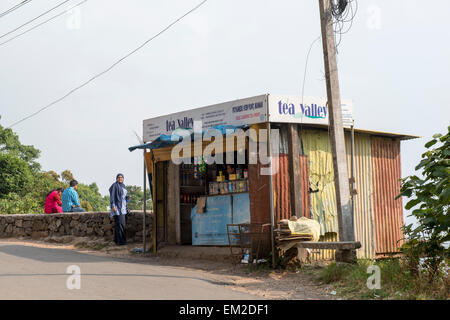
x,y
316,145
363,207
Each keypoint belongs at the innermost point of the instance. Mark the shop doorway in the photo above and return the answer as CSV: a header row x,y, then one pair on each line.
x,y
222,191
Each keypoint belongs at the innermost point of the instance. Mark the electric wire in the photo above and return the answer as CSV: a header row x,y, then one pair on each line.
x,y
44,22
110,67
343,13
30,21
304,77
17,6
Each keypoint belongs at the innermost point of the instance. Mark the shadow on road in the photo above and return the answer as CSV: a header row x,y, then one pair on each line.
x,y
115,275
51,254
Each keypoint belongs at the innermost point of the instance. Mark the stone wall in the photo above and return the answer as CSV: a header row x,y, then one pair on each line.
x,y
83,224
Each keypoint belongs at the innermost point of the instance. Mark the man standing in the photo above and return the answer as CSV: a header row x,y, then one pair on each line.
x,y
70,201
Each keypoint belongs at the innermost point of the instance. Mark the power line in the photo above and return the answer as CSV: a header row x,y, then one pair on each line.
x,y
110,67
40,24
28,22
304,78
343,11
17,6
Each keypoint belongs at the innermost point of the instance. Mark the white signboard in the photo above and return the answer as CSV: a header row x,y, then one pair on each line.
x,y
239,112
280,108
306,110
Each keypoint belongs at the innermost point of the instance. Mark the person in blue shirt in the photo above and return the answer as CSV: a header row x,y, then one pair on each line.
x,y
118,204
70,200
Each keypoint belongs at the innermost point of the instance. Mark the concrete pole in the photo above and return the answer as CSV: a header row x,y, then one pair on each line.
x,y
345,219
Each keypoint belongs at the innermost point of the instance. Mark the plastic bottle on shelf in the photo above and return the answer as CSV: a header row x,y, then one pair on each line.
x,y
238,173
245,173
246,257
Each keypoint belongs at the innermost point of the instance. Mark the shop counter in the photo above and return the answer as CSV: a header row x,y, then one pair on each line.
x,y
210,227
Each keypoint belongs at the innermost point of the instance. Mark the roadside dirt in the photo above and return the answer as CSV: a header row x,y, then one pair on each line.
x,y
259,280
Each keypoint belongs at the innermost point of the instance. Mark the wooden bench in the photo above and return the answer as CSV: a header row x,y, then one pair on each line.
x,y
339,245
344,249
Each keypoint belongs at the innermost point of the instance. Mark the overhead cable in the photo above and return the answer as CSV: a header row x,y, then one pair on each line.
x,y
343,13
110,67
30,21
17,6
44,22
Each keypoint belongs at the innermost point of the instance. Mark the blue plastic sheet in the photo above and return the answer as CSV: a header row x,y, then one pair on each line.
x,y
166,140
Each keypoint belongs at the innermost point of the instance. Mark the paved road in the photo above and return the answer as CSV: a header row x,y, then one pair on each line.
x,y
28,272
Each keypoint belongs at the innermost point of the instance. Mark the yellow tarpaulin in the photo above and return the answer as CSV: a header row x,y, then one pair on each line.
x,y
316,145
305,226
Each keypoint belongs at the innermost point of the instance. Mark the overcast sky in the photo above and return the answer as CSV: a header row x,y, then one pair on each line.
x,y
394,63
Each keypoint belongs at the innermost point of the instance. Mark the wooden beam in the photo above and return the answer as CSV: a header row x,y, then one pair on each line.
x,y
344,245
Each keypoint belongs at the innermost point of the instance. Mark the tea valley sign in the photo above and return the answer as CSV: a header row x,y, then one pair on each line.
x,y
258,109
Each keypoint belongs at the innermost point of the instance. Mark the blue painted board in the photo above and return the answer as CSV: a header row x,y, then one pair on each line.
x,y
210,227
241,213
241,208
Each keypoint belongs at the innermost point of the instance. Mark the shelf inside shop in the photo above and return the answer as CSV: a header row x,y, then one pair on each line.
x,y
224,194
192,187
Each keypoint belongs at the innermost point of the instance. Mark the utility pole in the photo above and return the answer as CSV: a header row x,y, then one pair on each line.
x,y
341,181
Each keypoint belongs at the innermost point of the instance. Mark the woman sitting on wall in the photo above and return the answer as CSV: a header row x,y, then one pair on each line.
x,y
53,201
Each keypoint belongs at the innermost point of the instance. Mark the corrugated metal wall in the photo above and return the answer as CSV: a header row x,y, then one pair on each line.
x,y
259,194
281,197
388,212
378,216
304,176
316,145
363,207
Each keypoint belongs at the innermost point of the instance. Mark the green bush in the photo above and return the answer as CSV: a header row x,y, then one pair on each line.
x,y
14,204
430,196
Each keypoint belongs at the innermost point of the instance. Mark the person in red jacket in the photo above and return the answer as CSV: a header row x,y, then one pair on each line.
x,y
53,201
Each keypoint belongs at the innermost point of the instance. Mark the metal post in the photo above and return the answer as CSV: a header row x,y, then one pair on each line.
x,y
352,194
155,215
145,207
272,222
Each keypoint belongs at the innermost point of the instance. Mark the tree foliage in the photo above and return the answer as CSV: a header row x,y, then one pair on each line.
x,y
15,175
91,199
67,176
430,197
24,187
10,144
137,198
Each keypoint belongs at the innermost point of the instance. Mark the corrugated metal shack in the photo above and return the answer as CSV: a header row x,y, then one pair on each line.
x,y
373,158
378,217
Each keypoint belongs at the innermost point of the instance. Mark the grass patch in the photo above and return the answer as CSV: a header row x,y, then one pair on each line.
x,y
350,281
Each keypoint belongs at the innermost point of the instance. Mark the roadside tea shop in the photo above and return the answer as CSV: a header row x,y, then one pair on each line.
x,y
210,167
